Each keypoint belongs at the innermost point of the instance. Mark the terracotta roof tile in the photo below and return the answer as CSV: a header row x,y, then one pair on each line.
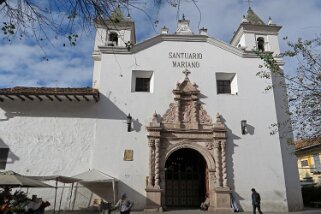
x,y
304,144
27,92
45,90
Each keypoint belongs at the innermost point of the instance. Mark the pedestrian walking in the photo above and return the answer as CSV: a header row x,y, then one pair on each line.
x,y
124,205
256,201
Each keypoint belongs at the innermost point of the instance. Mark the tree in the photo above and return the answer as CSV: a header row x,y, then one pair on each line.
x,y
44,20
303,85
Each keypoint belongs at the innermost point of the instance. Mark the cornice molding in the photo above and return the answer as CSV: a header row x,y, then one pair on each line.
x,y
176,38
96,56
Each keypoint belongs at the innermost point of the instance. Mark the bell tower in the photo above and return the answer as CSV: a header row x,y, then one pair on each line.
x,y
116,31
255,34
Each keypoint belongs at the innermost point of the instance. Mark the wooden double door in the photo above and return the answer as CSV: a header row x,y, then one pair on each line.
x,y
185,179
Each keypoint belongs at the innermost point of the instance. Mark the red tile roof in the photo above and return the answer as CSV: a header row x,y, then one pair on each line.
x,y
305,144
30,93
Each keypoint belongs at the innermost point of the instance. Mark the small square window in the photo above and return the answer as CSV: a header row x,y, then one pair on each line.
x,y
142,84
142,81
226,83
304,163
223,86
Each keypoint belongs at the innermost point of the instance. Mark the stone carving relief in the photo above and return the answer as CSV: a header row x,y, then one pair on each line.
x,y
187,86
186,124
187,115
187,111
204,117
209,145
169,116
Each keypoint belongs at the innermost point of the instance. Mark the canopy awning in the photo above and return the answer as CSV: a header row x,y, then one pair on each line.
x,y
57,178
94,175
62,179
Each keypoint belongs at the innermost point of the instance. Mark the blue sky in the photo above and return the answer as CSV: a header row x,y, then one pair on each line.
x,y
23,62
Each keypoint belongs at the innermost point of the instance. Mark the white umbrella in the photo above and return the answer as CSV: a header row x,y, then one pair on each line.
x,y
12,179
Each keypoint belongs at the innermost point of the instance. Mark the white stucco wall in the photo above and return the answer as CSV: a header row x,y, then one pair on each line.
x,y
48,138
101,38
96,73
273,44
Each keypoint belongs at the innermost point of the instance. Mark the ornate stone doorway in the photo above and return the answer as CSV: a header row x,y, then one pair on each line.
x,y
185,180
186,127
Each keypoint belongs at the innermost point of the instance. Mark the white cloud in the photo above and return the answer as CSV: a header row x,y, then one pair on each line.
x,y
21,62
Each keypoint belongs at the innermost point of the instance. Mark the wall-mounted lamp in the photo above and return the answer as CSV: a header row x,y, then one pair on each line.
x,y
129,123
243,127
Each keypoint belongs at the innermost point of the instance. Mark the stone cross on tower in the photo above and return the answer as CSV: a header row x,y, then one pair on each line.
x,y
249,2
186,72
183,27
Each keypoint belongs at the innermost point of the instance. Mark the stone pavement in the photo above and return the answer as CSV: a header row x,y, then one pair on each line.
x,y
306,211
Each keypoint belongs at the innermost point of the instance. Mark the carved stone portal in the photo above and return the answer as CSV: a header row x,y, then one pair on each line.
x,y
186,124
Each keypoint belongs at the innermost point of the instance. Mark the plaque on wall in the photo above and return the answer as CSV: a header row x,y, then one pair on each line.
x,y
128,155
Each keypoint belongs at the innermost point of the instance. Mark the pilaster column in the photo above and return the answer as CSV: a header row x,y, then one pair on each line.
x,y
194,112
211,179
151,144
218,182
177,119
223,157
157,145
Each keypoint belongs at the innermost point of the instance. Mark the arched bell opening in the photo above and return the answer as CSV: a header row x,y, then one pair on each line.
x,y
186,180
113,39
260,44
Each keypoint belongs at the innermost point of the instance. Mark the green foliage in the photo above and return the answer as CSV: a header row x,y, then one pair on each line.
x,y
72,15
8,28
129,45
303,84
52,19
36,20
269,61
72,38
310,194
116,16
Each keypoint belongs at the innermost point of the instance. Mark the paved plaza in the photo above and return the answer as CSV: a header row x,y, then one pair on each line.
x,y
306,211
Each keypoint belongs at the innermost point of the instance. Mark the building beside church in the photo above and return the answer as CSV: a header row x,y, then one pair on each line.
x,y
173,118
308,153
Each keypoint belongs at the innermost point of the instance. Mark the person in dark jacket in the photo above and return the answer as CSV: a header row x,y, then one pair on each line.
x,y
256,201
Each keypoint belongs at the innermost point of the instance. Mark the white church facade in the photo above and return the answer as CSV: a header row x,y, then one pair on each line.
x,y
173,118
